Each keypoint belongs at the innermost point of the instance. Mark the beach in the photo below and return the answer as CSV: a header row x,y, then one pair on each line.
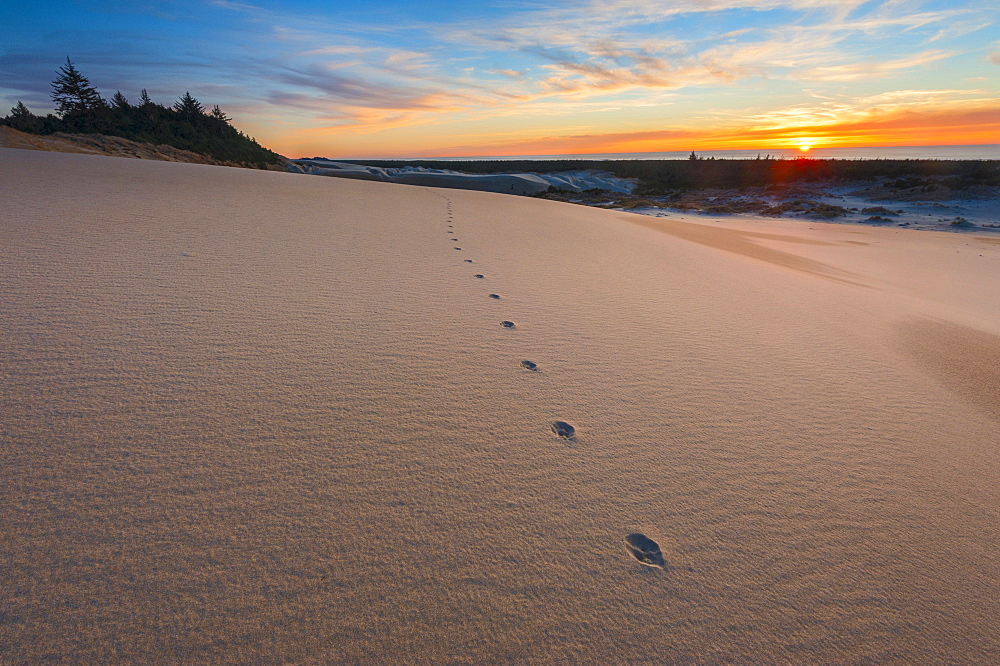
x,y
252,416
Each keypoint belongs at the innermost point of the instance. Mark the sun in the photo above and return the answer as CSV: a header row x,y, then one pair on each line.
x,y
804,143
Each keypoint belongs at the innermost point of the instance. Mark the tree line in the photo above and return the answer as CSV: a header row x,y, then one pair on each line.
x,y
80,109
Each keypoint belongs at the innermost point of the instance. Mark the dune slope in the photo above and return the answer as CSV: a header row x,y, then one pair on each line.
x,y
253,416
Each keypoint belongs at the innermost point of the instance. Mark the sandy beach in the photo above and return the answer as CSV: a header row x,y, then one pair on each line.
x,y
251,416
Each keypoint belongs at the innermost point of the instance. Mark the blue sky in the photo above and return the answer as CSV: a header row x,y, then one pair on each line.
x,y
355,78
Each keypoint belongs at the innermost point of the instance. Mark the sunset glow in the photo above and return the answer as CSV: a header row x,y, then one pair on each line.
x,y
446,78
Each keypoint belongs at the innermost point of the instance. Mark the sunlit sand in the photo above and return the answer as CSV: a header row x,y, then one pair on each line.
x,y
260,417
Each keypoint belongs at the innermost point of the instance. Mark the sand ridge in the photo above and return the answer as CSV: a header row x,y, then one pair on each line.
x,y
965,359
742,242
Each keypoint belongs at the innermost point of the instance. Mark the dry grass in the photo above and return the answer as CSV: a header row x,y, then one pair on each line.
x,y
99,144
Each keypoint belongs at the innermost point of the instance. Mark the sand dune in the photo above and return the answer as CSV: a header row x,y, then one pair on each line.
x,y
251,416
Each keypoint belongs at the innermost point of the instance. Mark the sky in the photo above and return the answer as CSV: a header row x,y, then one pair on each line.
x,y
421,78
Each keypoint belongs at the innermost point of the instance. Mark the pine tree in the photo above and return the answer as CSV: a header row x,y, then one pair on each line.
x,y
21,119
187,125
119,101
71,91
19,111
188,106
218,113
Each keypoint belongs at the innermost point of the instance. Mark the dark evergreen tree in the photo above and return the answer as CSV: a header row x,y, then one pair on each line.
x,y
72,92
186,125
118,101
19,110
22,119
219,114
188,106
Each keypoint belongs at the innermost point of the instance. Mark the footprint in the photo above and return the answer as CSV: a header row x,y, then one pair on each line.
x,y
645,550
507,324
564,429
495,297
530,365
479,276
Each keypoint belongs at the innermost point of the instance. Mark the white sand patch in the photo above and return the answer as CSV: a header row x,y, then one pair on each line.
x,y
255,417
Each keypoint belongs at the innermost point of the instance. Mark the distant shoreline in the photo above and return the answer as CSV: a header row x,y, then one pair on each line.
x,y
984,151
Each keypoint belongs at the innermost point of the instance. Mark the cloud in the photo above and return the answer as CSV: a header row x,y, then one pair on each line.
x,y
893,112
509,73
338,50
994,57
353,90
408,62
591,50
235,6
770,57
577,53
872,69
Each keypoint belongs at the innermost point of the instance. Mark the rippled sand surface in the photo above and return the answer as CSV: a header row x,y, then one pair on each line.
x,y
261,417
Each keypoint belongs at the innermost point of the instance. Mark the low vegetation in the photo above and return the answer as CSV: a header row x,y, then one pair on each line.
x,y
80,109
659,177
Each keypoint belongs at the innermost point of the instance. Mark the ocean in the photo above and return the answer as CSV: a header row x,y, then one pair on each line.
x,y
975,152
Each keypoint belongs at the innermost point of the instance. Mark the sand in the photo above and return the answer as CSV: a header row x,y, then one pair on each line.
x,y
259,417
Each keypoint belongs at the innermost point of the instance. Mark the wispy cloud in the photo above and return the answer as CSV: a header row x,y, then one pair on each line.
x,y
235,6
873,69
509,73
886,104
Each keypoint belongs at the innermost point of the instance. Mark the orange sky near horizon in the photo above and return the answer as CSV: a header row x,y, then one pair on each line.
x,y
978,125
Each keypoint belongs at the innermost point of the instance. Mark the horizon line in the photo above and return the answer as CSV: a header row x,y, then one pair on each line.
x,y
605,156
